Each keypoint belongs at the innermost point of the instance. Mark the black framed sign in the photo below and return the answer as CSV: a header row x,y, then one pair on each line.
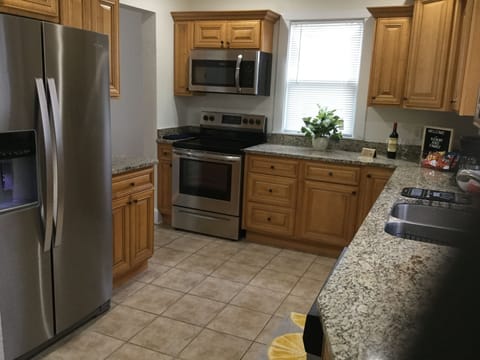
x,y
436,139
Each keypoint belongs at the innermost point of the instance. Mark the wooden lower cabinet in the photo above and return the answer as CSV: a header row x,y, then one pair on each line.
x,y
327,213
37,9
164,180
132,216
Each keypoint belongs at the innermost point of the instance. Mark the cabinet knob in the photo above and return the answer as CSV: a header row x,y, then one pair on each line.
x,y
272,167
165,153
170,164
129,203
228,44
330,173
270,190
405,98
132,184
453,101
374,97
269,219
354,193
221,43
135,201
369,176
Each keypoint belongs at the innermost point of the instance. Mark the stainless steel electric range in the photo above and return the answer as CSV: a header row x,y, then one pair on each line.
x,y
208,173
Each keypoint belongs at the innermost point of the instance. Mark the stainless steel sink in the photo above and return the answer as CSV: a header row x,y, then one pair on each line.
x,y
432,215
438,225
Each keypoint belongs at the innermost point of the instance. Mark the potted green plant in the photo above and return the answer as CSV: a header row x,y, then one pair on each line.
x,y
323,127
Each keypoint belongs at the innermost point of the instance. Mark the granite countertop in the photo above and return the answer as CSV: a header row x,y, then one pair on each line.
x,y
371,305
122,164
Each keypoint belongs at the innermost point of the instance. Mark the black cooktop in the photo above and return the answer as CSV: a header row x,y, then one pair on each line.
x,y
219,144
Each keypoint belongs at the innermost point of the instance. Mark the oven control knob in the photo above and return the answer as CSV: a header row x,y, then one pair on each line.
x,y
250,121
211,118
245,120
205,117
257,122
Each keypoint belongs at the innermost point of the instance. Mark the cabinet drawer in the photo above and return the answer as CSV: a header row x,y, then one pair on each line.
x,y
164,152
332,173
128,183
269,219
273,166
273,190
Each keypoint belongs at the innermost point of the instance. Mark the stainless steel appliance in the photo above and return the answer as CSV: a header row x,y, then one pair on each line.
x,y
207,173
234,71
55,182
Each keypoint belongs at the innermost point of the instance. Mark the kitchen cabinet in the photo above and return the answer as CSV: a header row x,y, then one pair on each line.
x,y
467,79
132,217
101,16
431,55
250,29
164,180
390,54
38,9
299,204
235,34
372,182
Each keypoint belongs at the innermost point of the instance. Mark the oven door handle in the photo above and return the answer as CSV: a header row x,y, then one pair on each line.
x,y
209,156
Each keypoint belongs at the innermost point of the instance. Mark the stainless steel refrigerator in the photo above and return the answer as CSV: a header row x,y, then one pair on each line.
x,y
55,182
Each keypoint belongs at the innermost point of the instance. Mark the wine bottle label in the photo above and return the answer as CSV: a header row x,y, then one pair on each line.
x,y
392,145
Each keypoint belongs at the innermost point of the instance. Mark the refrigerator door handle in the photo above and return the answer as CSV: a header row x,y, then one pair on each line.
x,y
59,181
47,203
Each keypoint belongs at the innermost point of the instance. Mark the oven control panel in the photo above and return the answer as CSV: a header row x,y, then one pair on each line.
x,y
238,121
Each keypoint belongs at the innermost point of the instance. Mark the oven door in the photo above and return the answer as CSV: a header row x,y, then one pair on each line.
x,y
207,181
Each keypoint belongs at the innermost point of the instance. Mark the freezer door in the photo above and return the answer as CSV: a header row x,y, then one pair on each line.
x,y
76,72
26,307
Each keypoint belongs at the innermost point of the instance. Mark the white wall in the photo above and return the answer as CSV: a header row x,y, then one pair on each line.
x,y
134,113
374,123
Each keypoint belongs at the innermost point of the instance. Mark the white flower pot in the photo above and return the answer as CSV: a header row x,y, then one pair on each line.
x,y
320,143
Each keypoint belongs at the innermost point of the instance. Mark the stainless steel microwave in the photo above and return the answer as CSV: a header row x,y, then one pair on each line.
x,y
231,71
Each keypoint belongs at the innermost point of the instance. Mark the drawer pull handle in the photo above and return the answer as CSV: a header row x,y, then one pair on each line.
x,y
135,201
270,190
269,219
132,184
330,173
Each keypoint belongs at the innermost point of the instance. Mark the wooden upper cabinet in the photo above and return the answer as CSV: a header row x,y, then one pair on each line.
x,y
429,54
76,13
183,40
235,34
467,79
105,16
390,55
38,9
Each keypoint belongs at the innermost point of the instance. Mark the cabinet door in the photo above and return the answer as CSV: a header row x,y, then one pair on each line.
x,y
38,9
429,54
243,34
389,63
165,190
141,227
372,184
327,213
209,34
76,13
183,43
105,14
121,236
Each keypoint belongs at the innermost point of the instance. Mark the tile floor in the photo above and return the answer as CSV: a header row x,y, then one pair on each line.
x,y
202,298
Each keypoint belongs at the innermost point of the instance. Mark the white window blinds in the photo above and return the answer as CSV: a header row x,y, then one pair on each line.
x,y
323,68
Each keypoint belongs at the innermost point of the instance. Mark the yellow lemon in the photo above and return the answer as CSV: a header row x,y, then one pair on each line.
x,y
298,319
287,347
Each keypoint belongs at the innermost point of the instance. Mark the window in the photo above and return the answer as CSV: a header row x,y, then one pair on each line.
x,y
323,68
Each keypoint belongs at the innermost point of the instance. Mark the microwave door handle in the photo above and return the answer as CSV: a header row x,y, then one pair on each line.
x,y
237,72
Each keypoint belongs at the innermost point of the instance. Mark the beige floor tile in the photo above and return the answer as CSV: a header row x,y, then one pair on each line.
x,y
122,322
194,310
153,299
188,244
180,280
167,336
236,272
318,271
265,249
256,352
85,346
295,304
289,265
307,288
164,236
153,271
134,352
240,322
223,249
275,281
201,264
211,345
326,260
169,257
271,330
259,299
217,289
252,257
121,293
297,255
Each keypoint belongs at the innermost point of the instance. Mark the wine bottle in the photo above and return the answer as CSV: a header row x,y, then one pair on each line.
x,y
392,143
